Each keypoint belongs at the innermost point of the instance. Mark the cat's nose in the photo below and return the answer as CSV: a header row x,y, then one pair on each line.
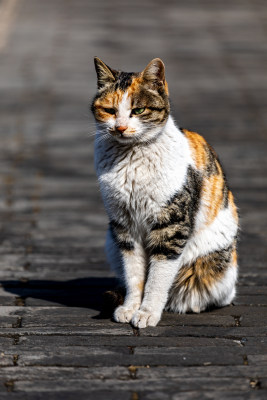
x,y
121,128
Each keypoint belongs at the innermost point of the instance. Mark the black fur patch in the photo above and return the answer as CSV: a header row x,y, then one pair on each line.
x,y
212,166
212,169
175,224
121,236
124,80
225,195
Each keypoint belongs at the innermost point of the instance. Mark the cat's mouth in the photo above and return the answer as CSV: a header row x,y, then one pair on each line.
x,y
129,134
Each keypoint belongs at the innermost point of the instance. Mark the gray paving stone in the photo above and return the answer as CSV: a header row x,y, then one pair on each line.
x,y
54,344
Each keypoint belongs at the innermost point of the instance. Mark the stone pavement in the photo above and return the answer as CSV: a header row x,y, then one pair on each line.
x,y
53,344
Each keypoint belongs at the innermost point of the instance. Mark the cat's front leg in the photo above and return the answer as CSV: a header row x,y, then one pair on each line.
x,y
134,265
166,242
133,272
160,279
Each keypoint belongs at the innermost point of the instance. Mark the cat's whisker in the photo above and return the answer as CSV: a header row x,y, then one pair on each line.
x,y
100,130
101,138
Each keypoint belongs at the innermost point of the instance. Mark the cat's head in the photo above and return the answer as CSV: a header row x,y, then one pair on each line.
x,y
131,107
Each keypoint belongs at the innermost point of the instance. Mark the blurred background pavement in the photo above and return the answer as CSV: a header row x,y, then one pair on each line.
x,y
52,226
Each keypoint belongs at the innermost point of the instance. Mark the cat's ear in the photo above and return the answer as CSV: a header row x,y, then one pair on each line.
x,y
105,74
154,72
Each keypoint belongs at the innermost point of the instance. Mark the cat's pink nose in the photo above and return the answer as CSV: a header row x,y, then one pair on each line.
x,y
121,128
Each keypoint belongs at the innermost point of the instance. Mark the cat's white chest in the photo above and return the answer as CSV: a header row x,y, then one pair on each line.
x,y
136,183
133,185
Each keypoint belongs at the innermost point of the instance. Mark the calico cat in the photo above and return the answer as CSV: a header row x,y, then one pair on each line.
x,y
173,221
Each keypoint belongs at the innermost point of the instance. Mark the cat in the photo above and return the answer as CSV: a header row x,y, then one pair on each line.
x,y
173,222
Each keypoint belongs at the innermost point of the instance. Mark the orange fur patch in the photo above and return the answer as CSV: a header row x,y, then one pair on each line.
x,y
234,257
137,81
166,88
199,276
212,192
232,205
197,144
204,272
111,100
141,286
133,88
213,195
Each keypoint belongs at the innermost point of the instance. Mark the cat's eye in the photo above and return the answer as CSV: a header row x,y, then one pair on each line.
x,y
110,111
137,111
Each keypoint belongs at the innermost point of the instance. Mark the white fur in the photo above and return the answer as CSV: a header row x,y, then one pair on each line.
x,y
160,279
134,277
218,235
141,177
123,117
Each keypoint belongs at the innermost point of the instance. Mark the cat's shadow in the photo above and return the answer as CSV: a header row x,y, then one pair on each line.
x,y
99,294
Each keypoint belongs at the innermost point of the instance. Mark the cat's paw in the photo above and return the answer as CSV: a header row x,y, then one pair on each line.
x,y
124,314
142,319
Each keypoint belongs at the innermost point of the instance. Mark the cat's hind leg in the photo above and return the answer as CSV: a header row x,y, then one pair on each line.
x,y
209,281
